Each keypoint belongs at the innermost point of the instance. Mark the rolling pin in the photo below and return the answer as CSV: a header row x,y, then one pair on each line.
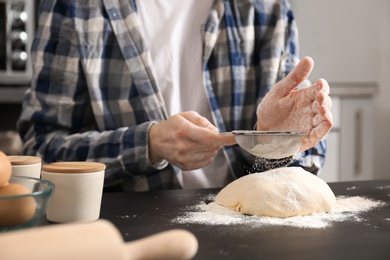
x,y
94,240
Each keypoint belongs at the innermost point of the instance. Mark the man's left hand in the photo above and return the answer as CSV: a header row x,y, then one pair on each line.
x,y
286,108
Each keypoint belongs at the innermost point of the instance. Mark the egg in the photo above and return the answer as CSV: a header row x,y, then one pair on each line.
x,y
15,211
5,169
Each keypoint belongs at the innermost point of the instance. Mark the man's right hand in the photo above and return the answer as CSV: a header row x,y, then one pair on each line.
x,y
187,140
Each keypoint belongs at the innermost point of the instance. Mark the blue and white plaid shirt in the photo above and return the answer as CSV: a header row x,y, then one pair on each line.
x,y
94,96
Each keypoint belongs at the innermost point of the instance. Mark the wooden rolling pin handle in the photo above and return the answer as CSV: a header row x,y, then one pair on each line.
x,y
174,244
98,240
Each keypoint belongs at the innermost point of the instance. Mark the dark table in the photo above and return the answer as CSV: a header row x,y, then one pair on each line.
x,y
141,214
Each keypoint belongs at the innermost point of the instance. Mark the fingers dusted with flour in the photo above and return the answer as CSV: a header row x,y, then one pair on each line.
x,y
287,108
322,121
295,78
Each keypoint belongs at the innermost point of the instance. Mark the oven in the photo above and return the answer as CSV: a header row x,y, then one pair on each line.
x,y
17,27
18,21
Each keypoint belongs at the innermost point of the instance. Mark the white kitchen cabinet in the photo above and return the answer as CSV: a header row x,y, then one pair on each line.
x,y
356,139
331,170
350,142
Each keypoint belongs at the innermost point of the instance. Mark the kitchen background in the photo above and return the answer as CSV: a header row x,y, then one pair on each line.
x,y
349,41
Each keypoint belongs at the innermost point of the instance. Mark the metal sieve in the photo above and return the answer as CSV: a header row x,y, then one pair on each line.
x,y
269,144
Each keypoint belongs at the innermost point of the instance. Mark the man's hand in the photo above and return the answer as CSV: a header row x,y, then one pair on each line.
x,y
186,140
306,110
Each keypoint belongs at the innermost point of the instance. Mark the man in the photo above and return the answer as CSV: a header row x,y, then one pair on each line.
x,y
146,86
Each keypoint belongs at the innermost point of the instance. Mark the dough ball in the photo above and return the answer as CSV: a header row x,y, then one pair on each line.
x,y
282,192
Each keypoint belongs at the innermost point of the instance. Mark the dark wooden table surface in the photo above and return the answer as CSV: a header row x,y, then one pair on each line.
x,y
141,214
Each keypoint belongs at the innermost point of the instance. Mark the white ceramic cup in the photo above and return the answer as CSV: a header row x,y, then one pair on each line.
x,y
27,166
78,191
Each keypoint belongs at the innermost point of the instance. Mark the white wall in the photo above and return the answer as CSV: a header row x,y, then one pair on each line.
x,y
342,37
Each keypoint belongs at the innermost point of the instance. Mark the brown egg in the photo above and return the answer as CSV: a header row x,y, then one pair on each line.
x,y
15,211
5,169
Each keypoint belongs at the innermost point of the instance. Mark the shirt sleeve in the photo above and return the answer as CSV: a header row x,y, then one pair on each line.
x,y
58,121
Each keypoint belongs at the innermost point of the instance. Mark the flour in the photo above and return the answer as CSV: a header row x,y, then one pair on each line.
x,y
346,209
279,148
383,187
262,164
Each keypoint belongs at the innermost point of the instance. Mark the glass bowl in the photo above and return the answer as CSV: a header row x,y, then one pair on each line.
x,y
31,206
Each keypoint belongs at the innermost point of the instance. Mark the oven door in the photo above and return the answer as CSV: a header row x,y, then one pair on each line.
x,y
17,27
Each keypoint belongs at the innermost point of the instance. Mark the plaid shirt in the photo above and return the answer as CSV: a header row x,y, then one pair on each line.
x,y
94,96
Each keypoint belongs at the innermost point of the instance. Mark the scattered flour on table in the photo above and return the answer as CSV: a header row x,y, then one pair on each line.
x,y
387,188
346,209
383,187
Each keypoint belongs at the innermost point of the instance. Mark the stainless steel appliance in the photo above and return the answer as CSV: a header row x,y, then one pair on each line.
x,y
17,27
